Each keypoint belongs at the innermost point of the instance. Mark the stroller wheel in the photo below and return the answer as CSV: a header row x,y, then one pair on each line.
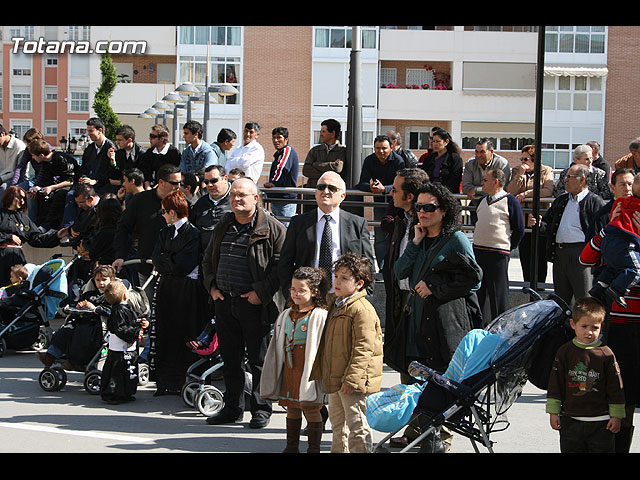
x,y
92,382
143,374
3,347
189,391
209,400
42,342
62,376
49,380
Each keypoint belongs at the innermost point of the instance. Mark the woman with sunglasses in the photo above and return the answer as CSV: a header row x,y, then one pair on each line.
x,y
179,308
16,229
521,187
444,277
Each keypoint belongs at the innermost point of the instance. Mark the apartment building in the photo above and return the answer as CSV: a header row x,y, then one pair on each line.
x,y
475,81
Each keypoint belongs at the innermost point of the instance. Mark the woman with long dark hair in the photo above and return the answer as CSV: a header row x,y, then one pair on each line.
x,y
16,229
99,243
179,309
444,164
443,277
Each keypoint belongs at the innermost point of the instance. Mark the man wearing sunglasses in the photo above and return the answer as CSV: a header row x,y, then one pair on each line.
x,y
142,221
160,152
345,232
211,206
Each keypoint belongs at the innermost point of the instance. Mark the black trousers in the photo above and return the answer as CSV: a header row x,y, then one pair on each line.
x,y
585,437
240,329
493,294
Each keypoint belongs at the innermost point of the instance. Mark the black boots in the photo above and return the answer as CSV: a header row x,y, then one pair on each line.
x,y
432,443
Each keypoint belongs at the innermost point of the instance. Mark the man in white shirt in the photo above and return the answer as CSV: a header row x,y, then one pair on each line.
x,y
11,149
249,157
565,224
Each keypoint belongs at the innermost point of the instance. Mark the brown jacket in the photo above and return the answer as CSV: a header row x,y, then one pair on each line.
x,y
350,350
519,183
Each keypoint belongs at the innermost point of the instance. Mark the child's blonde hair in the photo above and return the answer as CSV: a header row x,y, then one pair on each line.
x,y
114,292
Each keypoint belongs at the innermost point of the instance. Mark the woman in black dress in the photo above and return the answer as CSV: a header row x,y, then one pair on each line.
x,y
179,309
444,164
16,229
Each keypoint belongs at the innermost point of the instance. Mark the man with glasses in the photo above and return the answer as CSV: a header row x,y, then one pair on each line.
x,y
239,271
211,206
142,221
566,225
160,152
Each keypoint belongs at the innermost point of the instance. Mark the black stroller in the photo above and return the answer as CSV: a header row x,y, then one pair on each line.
x,y
485,377
25,316
88,344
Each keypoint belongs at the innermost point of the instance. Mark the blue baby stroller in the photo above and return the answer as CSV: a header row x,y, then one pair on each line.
x,y
26,315
485,377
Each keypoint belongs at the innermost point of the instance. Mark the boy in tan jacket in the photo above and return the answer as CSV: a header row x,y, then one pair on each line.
x,y
349,359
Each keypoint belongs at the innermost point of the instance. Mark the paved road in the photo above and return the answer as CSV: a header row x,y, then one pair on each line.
x,y
71,420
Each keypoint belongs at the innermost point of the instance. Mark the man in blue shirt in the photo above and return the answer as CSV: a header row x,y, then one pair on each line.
x,y
198,154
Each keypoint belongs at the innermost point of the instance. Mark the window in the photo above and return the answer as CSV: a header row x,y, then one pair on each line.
x,y
556,155
420,77
575,39
340,37
50,94
52,61
28,33
504,143
573,93
221,70
226,70
79,33
21,102
210,35
79,101
388,76
20,127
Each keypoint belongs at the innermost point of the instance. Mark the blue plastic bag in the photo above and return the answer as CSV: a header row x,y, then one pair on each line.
x,y
391,409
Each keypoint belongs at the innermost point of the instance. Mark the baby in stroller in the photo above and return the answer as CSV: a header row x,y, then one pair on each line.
x,y
82,334
18,275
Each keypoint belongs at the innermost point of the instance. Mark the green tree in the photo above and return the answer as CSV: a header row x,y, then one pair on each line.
x,y
101,103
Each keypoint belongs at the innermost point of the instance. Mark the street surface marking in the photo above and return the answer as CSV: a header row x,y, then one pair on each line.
x,y
108,436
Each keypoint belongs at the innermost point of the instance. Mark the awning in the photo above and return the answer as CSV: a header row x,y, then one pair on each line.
x,y
576,71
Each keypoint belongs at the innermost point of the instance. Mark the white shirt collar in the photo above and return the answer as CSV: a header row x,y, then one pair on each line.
x,y
164,150
335,215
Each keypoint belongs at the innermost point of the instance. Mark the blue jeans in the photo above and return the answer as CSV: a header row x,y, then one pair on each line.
x,y
284,210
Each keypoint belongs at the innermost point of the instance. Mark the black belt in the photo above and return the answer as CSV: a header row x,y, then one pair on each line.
x,y
570,245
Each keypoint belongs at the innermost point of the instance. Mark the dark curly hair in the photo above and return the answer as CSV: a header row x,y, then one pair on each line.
x,y
448,203
318,284
360,267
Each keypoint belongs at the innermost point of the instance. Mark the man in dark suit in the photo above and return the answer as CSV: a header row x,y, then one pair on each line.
x,y
344,232
302,246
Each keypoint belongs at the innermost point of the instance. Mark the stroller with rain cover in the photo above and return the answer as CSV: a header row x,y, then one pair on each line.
x,y
25,316
88,343
485,377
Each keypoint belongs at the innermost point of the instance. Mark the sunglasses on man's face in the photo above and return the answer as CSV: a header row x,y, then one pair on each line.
x,y
426,207
322,186
211,180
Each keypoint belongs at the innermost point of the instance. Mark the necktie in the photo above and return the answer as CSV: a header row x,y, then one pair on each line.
x,y
325,260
